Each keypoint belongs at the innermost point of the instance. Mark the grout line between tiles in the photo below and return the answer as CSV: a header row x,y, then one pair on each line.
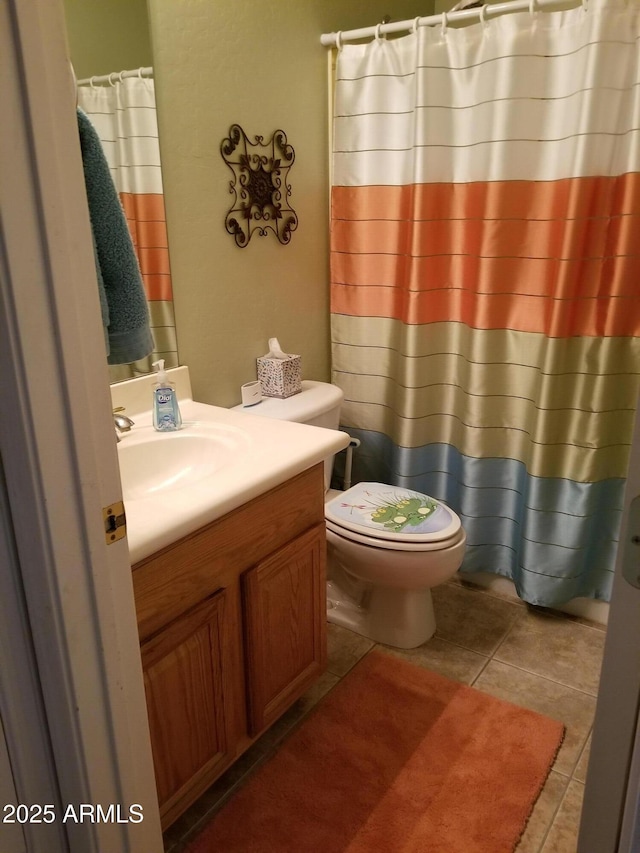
x,y
482,669
579,758
506,635
546,678
556,811
488,655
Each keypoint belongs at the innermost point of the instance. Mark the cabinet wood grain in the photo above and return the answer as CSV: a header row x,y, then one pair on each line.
x,y
232,629
285,626
185,700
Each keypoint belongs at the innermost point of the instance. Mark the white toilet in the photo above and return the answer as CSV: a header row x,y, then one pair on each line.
x,y
386,545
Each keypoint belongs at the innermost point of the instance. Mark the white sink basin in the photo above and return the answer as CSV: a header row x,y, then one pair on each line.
x,y
176,483
153,463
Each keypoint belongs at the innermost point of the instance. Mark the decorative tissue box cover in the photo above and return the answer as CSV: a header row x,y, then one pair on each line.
x,y
280,377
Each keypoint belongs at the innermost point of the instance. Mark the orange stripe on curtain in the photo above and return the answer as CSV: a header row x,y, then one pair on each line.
x,y
492,255
495,311
486,239
490,199
158,287
153,261
150,234
556,278
146,219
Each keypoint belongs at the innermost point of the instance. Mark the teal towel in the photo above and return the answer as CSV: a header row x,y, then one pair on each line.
x,y
123,302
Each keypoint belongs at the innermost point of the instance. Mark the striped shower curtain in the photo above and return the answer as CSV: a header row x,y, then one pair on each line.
x,y
485,280
124,116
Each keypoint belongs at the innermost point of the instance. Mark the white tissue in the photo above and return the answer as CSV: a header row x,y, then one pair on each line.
x,y
275,350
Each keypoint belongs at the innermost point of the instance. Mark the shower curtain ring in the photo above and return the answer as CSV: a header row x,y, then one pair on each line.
x,y
339,40
113,73
483,12
416,24
444,25
120,76
532,7
585,5
378,36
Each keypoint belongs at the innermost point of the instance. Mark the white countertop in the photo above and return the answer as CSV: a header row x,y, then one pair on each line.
x,y
271,452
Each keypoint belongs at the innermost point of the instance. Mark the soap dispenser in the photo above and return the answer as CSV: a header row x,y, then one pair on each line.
x,y
166,412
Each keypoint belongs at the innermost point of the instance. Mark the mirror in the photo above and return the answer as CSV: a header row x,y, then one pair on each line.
x,y
111,53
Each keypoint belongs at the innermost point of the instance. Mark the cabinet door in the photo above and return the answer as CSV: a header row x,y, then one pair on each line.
x,y
284,601
183,679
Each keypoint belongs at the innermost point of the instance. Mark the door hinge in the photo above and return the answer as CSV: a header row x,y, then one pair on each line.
x,y
115,522
631,548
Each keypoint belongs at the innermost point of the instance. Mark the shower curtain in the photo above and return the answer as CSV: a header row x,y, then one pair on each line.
x,y
485,280
124,115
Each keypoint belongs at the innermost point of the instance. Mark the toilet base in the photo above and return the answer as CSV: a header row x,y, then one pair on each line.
x,y
395,617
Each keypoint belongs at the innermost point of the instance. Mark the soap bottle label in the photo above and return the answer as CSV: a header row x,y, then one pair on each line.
x,y
165,410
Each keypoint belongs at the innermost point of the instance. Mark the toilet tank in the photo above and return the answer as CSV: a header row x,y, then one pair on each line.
x,y
318,404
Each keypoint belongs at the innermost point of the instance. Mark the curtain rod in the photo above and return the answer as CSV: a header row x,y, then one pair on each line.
x,y
116,76
477,13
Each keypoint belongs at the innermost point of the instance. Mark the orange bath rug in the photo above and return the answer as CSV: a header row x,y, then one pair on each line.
x,y
396,759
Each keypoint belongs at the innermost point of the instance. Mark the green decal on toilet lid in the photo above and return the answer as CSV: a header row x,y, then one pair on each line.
x,y
392,512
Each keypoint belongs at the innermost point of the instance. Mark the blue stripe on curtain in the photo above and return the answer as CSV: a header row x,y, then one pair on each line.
x,y
555,538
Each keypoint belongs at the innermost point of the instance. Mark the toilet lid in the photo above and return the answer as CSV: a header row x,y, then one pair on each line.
x,y
392,513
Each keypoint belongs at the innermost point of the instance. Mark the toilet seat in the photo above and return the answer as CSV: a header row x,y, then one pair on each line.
x,y
387,545
393,518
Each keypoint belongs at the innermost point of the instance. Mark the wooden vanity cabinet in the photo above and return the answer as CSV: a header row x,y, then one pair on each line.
x,y
284,626
185,701
232,627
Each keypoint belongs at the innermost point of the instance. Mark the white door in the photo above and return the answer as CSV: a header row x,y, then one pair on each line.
x,y
610,821
73,720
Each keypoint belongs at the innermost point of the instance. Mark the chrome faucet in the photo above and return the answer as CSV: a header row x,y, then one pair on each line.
x,y
122,422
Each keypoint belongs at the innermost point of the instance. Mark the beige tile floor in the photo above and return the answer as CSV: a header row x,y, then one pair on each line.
x,y
532,657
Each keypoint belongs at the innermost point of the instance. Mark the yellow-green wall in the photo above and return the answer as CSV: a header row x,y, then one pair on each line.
x,y
107,35
260,64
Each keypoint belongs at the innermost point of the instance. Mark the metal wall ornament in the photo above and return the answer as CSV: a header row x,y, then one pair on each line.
x,y
260,185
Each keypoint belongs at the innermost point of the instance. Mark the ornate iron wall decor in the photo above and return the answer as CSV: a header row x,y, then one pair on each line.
x,y
260,185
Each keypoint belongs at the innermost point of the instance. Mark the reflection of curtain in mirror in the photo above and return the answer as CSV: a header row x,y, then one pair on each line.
x,y
124,115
